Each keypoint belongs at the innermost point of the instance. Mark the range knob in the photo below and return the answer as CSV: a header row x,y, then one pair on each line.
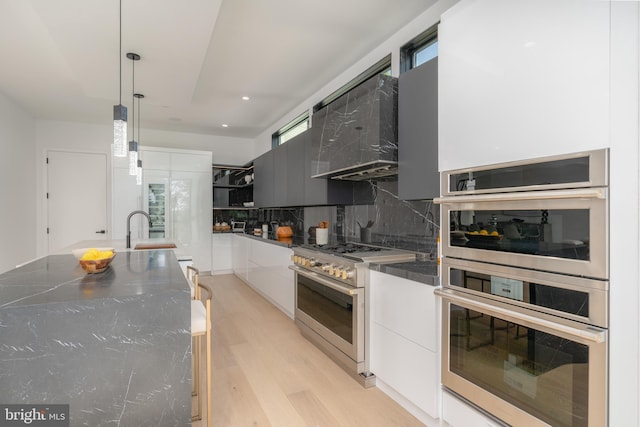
x,y
347,274
338,272
331,269
295,259
301,260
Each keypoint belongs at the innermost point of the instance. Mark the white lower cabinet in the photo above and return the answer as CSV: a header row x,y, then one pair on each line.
x,y
221,253
456,413
265,267
240,257
404,342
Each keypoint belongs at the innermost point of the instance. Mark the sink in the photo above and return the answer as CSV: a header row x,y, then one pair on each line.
x,y
143,246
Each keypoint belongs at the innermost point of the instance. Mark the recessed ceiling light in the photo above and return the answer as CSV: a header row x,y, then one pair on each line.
x,y
224,125
245,98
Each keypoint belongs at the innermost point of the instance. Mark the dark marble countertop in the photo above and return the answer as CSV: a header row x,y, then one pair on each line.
x,y
60,278
115,346
287,243
419,271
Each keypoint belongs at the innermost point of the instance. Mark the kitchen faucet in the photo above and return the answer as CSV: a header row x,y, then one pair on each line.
x,y
129,225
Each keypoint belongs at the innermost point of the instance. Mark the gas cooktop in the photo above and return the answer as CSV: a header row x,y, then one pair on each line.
x,y
345,248
365,253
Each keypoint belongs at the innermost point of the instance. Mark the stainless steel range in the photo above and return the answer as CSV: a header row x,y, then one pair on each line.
x,y
331,300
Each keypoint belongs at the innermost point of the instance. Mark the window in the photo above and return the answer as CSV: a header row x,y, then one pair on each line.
x,y
421,49
381,67
293,128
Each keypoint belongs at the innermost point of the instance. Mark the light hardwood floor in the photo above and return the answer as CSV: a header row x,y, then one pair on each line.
x,y
266,374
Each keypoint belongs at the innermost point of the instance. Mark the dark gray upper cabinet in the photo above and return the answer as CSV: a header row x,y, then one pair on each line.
x,y
263,184
283,178
296,169
418,176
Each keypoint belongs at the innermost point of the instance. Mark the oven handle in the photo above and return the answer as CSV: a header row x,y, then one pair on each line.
x,y
577,193
347,290
493,309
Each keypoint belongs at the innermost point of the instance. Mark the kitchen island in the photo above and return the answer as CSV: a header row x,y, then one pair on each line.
x,y
115,346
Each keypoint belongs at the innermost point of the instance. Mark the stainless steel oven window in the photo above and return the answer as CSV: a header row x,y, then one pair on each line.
x,y
575,298
575,170
524,367
568,235
327,306
320,319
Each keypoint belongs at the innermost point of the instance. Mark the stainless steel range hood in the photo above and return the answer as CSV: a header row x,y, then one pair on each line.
x,y
379,170
355,137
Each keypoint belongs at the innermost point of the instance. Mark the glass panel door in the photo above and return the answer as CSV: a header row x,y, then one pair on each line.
x,y
157,206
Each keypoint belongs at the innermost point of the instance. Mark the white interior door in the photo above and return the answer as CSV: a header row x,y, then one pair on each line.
x,y
76,198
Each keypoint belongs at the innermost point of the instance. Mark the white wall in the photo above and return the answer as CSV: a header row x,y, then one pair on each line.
x,y
624,233
17,185
391,46
98,138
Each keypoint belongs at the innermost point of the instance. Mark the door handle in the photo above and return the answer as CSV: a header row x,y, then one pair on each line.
x,y
101,232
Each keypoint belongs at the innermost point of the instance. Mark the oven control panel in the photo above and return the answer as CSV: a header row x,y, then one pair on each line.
x,y
335,269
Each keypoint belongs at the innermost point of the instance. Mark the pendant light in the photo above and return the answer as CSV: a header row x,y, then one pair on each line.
x,y
133,150
120,112
139,174
133,145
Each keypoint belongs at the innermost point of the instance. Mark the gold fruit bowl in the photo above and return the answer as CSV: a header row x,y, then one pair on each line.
x,y
484,237
96,265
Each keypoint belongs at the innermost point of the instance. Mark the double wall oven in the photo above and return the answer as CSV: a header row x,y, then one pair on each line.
x,y
331,309
525,289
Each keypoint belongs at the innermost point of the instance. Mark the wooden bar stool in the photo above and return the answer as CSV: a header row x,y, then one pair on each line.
x,y
192,275
201,328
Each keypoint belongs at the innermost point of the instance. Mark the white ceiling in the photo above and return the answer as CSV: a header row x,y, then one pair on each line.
x,y
198,57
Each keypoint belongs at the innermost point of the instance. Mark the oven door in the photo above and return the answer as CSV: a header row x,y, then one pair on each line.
x,y
575,298
523,366
332,310
562,231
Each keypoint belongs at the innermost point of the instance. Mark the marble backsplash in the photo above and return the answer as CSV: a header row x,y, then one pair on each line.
x,y
393,222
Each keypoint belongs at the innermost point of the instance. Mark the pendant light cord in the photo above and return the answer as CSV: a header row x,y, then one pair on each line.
x,y
120,52
133,99
139,120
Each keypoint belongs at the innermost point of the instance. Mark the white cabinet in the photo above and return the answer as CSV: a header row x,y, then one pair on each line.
x,y
190,162
240,257
156,159
222,250
186,200
405,330
127,197
191,215
522,79
269,273
456,413
265,267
